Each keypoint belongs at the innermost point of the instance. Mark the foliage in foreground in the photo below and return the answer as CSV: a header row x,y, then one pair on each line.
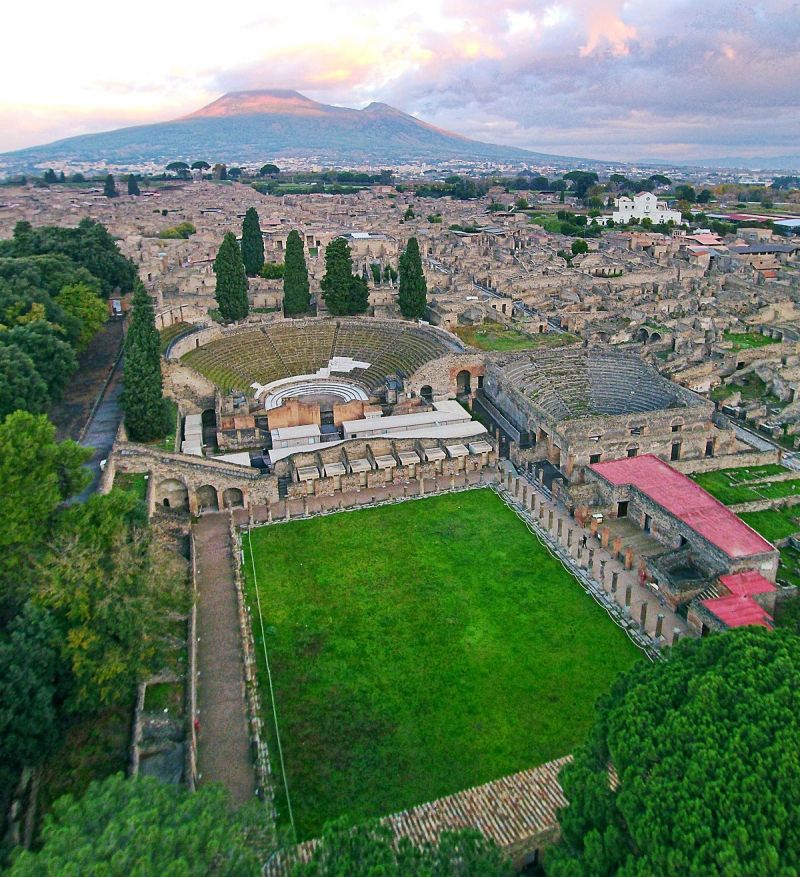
x,y
370,849
707,751
413,295
142,827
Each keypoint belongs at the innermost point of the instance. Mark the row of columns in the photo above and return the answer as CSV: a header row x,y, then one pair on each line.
x,y
586,556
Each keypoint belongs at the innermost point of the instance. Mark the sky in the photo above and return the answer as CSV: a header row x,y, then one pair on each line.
x,y
676,80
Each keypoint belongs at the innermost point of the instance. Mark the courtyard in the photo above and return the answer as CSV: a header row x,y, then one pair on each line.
x,y
419,649
496,337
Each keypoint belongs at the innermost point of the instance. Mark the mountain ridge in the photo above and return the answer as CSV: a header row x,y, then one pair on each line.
x,y
261,124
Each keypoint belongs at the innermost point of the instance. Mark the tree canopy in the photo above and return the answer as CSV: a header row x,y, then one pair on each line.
x,y
111,589
343,292
413,295
133,185
21,385
110,187
252,243
140,827
370,849
706,749
142,399
295,277
231,290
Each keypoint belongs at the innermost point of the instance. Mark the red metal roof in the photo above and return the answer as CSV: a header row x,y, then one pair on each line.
x,y
738,611
687,501
747,583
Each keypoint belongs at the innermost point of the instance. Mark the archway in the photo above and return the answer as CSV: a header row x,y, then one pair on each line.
x,y
172,494
427,393
463,383
642,335
233,498
207,500
656,336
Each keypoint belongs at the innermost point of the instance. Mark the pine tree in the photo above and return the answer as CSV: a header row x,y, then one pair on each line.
x,y
343,292
252,243
231,293
146,414
109,189
295,277
412,297
133,185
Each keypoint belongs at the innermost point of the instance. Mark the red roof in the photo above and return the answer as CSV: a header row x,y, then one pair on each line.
x,y
738,611
687,501
747,583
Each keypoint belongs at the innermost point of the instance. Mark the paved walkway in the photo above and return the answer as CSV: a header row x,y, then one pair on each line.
x,y
223,743
102,430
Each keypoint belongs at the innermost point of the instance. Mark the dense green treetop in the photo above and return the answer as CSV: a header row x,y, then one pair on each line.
x,y
344,293
52,356
706,747
413,295
252,243
295,277
112,590
21,385
37,474
141,827
142,399
370,850
231,289
28,689
88,244
133,185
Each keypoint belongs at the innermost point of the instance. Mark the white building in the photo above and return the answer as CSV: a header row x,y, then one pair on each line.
x,y
645,205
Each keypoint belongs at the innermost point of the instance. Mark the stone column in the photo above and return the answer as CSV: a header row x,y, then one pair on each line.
x,y
628,591
643,615
560,527
676,635
614,582
570,531
659,624
628,558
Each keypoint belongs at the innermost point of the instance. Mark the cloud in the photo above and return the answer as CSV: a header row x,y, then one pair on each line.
x,y
601,78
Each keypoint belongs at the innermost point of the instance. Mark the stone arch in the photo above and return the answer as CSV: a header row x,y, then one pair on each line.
x,y
209,419
207,499
655,336
464,383
233,498
172,493
642,335
427,393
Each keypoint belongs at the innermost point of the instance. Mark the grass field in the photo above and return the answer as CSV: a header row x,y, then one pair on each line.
x,y
773,524
494,336
733,486
419,649
748,340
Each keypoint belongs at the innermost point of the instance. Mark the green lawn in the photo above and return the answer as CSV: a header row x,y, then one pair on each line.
x,y
733,486
419,649
494,336
132,482
773,524
748,340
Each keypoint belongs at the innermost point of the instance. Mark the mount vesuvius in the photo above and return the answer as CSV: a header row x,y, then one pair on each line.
x,y
257,126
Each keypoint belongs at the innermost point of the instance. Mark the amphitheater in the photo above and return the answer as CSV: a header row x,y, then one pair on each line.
x,y
578,406
580,382
363,351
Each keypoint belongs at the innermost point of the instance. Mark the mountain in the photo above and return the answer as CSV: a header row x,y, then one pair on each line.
x,y
268,124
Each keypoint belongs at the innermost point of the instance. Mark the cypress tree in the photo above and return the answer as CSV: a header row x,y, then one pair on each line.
x,y
231,292
133,185
146,414
343,292
109,189
252,243
412,297
295,277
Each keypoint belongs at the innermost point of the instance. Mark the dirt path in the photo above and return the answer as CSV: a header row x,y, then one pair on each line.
x,y
223,747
